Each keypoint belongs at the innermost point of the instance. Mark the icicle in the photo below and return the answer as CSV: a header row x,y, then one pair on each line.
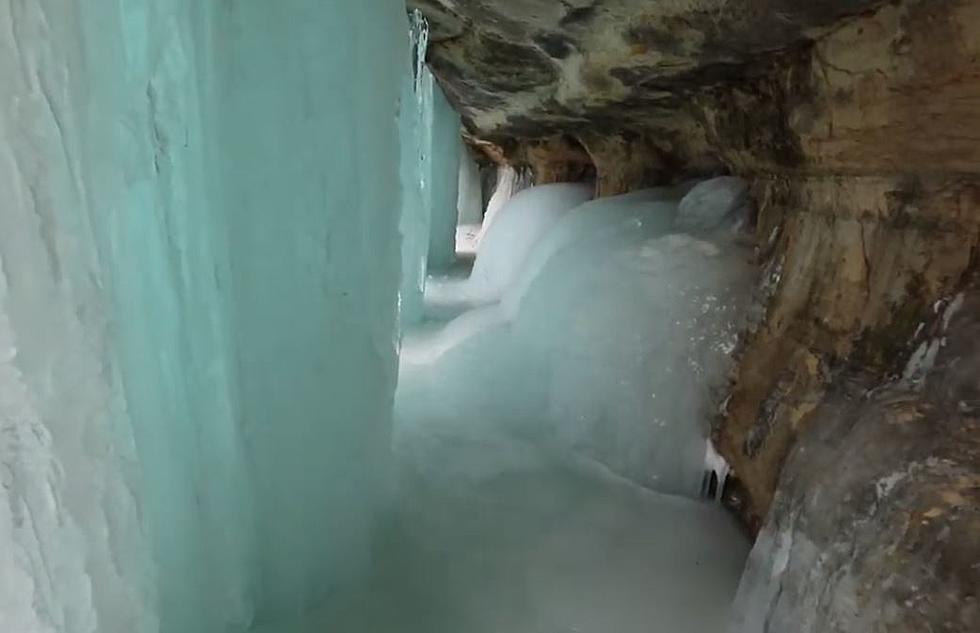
x,y
716,471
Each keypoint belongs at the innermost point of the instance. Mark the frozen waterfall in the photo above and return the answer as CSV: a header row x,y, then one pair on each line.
x,y
194,229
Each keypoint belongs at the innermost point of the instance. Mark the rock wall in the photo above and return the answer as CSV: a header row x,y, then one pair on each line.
x,y
876,525
867,186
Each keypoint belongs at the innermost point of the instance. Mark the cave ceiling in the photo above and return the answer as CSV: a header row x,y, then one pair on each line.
x,y
529,68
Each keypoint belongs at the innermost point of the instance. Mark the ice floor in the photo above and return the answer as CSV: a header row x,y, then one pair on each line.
x,y
495,536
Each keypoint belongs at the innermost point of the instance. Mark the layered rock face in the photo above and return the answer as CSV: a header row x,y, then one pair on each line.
x,y
857,123
876,524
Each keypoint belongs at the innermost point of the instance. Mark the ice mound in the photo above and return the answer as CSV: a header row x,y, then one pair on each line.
x,y
530,431
611,346
653,209
503,250
510,182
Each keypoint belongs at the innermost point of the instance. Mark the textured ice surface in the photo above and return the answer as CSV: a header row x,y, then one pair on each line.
x,y
469,206
510,182
494,534
510,238
529,433
430,155
612,344
194,228
415,214
442,147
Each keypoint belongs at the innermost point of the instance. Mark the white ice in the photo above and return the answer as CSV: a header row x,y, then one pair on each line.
x,y
493,534
613,344
536,437
507,243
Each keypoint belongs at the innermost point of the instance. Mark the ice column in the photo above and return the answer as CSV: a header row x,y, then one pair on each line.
x,y
198,278
441,138
306,107
431,150
414,223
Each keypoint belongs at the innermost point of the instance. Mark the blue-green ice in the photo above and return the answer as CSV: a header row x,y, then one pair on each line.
x,y
217,223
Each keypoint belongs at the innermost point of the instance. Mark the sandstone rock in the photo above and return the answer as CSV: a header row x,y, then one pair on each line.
x,y
876,525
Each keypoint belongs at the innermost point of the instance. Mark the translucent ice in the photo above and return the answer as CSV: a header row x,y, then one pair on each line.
x,y
442,146
194,228
512,234
415,214
526,218
493,534
431,149
509,183
470,205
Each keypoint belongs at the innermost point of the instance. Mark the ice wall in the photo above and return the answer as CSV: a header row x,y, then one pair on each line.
x,y
469,205
307,93
508,242
198,221
415,214
431,153
441,144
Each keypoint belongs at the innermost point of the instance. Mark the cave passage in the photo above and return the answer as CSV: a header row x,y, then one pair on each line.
x,y
224,244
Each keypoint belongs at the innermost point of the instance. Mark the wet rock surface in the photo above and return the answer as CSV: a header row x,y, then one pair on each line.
x,y
876,524
851,269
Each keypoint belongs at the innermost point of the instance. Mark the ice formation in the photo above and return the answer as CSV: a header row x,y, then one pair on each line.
x,y
530,431
414,222
441,143
612,345
503,251
510,182
469,205
431,151
194,229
